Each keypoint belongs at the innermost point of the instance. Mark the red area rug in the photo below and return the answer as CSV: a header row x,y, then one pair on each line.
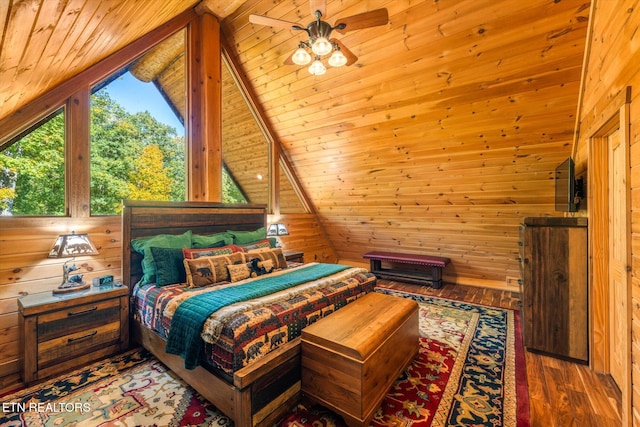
x,y
469,372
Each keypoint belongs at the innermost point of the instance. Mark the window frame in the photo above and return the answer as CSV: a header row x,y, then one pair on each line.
x,y
74,96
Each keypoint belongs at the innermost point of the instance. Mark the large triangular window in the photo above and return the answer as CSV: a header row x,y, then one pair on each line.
x,y
137,131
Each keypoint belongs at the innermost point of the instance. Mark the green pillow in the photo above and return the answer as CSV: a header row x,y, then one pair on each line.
x,y
201,241
143,246
248,237
169,266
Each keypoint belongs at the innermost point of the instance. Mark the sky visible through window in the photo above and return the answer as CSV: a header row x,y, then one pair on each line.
x,y
136,96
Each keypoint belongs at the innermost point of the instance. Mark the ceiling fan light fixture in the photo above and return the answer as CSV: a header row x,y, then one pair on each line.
x,y
321,46
301,56
317,68
337,59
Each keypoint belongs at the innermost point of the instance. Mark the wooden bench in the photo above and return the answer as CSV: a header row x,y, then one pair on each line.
x,y
432,276
351,358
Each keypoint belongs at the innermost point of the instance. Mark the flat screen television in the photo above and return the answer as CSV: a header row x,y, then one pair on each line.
x,y
566,200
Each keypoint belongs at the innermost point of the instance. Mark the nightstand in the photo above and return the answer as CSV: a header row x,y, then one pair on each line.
x,y
293,256
66,331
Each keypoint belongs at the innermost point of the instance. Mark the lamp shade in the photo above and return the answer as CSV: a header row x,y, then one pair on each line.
x,y
321,46
301,57
277,229
317,68
337,59
71,245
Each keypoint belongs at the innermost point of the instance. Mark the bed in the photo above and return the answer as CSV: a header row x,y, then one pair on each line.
x,y
249,366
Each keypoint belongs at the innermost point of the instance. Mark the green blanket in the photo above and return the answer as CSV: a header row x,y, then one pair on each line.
x,y
186,326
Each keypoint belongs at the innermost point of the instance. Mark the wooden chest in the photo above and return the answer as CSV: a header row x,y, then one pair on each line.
x,y
351,358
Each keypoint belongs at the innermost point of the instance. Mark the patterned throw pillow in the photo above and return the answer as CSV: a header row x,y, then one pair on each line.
x,y
275,255
198,253
210,270
238,272
262,244
254,268
259,268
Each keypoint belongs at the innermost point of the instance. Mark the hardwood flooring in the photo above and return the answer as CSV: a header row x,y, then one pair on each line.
x,y
561,393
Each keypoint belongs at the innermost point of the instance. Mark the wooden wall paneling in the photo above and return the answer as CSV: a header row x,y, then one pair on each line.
x,y
605,83
283,163
352,123
306,235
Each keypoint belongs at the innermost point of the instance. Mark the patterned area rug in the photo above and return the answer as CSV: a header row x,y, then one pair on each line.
x,y
133,389
469,372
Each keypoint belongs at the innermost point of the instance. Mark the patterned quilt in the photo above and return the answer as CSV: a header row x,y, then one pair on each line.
x,y
241,333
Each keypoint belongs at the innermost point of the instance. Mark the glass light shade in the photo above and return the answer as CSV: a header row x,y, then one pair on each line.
x,y
321,46
301,57
337,59
317,68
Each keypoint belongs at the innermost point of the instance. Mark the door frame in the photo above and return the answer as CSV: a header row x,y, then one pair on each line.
x,y
598,214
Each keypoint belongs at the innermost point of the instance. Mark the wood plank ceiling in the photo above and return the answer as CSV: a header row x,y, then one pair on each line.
x,y
443,135
439,139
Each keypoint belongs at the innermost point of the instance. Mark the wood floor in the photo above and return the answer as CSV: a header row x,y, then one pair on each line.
x,y
561,393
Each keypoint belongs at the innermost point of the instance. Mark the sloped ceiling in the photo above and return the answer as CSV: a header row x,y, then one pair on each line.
x,y
440,139
443,135
45,42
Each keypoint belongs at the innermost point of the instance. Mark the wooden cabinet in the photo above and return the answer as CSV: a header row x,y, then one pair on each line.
x,y
554,286
63,332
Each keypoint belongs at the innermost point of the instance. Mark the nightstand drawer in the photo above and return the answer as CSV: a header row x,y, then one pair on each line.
x,y
69,346
78,318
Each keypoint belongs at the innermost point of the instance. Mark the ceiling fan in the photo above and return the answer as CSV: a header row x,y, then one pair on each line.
x,y
320,44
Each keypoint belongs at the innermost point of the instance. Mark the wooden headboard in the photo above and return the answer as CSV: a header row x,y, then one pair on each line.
x,y
149,218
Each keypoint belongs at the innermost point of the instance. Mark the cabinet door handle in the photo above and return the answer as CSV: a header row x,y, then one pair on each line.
x,y
84,337
78,313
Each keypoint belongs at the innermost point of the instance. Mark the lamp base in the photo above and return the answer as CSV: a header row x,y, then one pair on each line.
x,y
70,287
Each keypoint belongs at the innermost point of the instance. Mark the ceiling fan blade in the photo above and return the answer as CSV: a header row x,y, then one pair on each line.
x,y
271,22
320,5
289,60
363,20
351,58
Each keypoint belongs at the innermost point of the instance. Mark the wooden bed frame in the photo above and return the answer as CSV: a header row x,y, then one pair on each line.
x,y
259,393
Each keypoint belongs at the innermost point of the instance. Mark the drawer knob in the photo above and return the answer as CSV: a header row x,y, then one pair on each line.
x,y
84,337
78,313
